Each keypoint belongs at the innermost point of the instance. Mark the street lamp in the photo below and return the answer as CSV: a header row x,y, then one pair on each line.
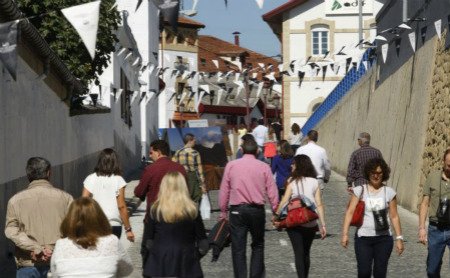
x,y
181,109
276,101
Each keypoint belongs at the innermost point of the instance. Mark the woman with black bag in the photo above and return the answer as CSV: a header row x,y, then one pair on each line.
x,y
303,183
175,231
373,240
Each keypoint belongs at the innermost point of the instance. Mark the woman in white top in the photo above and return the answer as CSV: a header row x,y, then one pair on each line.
x,y
295,137
303,183
107,187
88,249
373,240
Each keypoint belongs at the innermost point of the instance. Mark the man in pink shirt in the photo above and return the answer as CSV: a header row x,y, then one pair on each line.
x,y
244,185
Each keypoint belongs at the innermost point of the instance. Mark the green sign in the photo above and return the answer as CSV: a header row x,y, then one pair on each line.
x,y
336,5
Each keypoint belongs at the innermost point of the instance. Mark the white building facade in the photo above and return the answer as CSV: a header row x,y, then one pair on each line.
x,y
317,37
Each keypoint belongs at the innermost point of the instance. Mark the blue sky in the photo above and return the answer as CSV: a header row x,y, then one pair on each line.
x,y
241,15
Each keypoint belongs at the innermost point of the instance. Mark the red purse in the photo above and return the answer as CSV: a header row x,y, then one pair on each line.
x,y
298,212
358,214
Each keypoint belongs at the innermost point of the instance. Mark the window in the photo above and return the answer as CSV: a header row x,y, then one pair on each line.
x,y
125,99
320,40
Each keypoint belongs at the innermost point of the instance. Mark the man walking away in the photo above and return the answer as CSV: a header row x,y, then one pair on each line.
x,y
261,134
358,159
190,159
436,197
148,186
245,184
33,218
318,156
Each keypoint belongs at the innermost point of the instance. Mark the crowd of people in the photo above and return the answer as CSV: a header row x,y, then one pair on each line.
x,y
54,233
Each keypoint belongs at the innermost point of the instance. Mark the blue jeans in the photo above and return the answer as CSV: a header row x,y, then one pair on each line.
x,y
32,272
373,250
244,219
438,238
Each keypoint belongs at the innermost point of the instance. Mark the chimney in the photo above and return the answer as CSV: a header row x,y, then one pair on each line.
x,y
236,38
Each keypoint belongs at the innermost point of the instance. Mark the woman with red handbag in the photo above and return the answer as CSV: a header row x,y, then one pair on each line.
x,y
373,239
302,184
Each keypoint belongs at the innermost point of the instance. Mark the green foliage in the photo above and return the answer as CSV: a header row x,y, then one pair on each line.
x,y
64,39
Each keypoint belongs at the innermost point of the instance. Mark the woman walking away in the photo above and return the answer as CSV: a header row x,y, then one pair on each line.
x,y
176,233
107,187
281,165
88,248
303,183
295,137
373,240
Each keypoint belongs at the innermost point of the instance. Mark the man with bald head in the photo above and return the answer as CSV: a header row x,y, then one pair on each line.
x,y
358,159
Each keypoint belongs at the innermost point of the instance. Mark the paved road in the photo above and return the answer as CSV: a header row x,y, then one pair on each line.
x,y
328,258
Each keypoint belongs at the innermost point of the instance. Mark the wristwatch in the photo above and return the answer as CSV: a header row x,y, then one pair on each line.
x,y
128,229
399,238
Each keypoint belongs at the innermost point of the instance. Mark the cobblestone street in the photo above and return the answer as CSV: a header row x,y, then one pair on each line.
x,y
328,258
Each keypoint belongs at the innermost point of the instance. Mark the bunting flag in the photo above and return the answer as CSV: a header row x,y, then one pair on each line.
x,y
169,9
384,51
138,5
348,61
237,76
423,33
155,54
200,97
8,46
324,72
336,69
398,43
332,67
438,27
259,89
216,63
260,3
365,64
238,91
301,76
119,92
219,97
254,75
84,18
292,65
261,65
412,40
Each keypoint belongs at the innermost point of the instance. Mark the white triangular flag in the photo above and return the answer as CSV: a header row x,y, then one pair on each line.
x,y
254,75
84,18
148,98
366,65
202,93
438,26
205,88
280,67
384,51
261,65
183,95
412,40
185,74
219,96
260,87
136,62
216,63
260,3
237,76
119,91
238,91
150,69
133,97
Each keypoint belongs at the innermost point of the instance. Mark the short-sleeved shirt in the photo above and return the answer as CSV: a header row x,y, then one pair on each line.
x,y
105,191
374,201
431,189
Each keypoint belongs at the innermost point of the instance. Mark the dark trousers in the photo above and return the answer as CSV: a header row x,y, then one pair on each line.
x,y
244,219
301,240
144,249
373,250
117,231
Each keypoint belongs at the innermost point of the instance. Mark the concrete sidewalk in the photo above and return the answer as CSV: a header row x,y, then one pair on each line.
x,y
328,258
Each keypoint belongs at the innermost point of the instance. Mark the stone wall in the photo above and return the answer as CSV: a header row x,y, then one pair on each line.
x,y
407,116
438,128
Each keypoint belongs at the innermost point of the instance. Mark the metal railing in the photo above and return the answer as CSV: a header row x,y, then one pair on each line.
x,y
346,84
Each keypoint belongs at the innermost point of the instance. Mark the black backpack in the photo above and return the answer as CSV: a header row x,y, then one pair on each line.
x,y
219,237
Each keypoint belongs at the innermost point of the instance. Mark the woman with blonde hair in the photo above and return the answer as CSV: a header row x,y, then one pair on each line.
x,y
88,248
175,231
107,187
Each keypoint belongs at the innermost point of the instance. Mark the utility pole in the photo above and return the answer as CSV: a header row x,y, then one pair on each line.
x,y
360,14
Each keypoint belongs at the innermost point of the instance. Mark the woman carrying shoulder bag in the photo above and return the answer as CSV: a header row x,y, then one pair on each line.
x,y
373,240
303,183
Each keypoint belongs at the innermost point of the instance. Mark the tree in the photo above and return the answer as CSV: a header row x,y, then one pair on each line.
x,y
64,39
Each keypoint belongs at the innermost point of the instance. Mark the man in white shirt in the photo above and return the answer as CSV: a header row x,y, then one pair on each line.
x,y
318,156
261,133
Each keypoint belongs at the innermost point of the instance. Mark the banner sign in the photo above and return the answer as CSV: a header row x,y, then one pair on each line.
x,y
348,6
